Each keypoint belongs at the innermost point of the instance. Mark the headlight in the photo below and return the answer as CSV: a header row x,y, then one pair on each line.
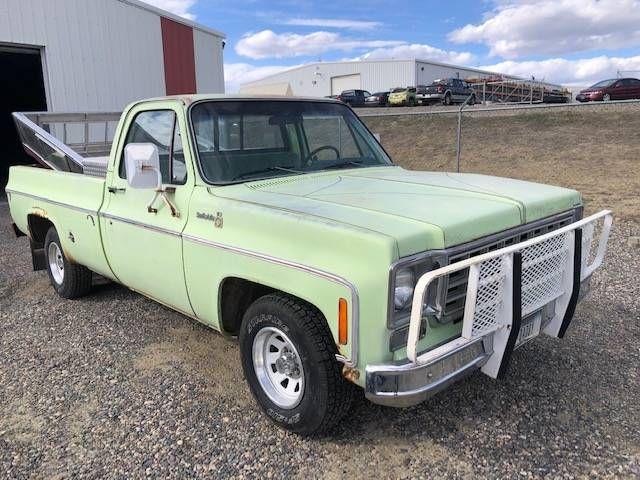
x,y
405,282
403,278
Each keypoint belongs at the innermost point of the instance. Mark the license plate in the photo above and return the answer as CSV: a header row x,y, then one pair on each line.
x,y
529,328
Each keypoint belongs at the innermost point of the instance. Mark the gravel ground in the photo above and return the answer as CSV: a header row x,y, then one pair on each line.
x,y
117,386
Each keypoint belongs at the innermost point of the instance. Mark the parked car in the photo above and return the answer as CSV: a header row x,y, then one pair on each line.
x,y
378,99
447,91
612,89
405,96
284,223
355,98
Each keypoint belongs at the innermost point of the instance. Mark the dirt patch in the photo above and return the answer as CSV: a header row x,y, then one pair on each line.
x,y
20,422
387,459
595,152
201,352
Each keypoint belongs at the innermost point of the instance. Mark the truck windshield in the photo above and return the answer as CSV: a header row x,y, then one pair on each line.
x,y
239,141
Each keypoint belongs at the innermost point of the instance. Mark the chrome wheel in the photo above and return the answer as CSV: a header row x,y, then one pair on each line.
x,y
56,263
606,98
278,367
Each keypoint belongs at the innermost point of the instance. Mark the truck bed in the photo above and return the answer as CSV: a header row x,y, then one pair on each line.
x,y
68,142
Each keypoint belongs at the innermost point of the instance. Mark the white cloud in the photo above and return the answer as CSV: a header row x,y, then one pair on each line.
x,y
332,23
420,51
268,44
235,74
538,27
573,73
177,7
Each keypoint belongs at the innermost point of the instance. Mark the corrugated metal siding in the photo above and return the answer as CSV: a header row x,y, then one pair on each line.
x,y
99,54
315,80
90,62
179,57
209,62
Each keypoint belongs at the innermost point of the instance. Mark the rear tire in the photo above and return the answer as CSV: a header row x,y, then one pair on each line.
x,y
69,280
288,358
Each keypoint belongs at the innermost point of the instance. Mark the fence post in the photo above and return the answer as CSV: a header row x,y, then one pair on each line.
x,y
459,132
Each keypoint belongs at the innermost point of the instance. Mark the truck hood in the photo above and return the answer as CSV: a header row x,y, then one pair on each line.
x,y
420,210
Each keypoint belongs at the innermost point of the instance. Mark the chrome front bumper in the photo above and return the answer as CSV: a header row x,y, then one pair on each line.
x,y
407,384
506,287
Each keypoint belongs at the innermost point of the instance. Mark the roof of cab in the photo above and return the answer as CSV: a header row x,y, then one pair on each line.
x,y
189,99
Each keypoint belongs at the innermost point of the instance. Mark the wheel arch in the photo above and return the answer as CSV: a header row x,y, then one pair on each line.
x,y
38,225
236,294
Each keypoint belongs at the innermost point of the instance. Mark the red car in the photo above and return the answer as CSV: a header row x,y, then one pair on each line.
x,y
614,89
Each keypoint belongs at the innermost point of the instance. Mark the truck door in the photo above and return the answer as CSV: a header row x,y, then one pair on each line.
x,y
142,240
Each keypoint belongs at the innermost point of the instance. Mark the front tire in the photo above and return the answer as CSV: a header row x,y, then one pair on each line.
x,y
606,98
447,99
288,358
69,280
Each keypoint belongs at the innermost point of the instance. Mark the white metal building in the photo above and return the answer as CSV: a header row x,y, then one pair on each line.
x,y
97,55
331,78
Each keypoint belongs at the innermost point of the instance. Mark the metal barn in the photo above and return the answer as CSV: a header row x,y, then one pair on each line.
x,y
97,55
331,78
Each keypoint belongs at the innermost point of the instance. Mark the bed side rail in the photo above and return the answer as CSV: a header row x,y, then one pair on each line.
x,y
67,141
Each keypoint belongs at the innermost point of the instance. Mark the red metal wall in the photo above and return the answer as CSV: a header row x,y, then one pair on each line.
x,y
179,57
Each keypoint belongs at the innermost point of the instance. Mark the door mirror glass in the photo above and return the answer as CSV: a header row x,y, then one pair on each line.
x,y
142,163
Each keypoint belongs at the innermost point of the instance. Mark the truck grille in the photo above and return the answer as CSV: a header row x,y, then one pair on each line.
x,y
455,285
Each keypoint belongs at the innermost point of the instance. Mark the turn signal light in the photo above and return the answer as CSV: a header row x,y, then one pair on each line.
x,y
343,322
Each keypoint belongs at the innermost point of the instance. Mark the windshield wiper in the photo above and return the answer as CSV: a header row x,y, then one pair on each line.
x,y
267,170
345,164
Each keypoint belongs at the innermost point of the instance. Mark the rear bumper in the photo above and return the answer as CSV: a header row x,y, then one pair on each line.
x,y
431,96
589,97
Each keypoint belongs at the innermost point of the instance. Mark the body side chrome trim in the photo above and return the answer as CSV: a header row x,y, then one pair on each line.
x,y
146,226
53,202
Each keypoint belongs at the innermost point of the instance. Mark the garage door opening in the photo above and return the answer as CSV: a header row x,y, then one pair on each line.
x,y
21,90
345,82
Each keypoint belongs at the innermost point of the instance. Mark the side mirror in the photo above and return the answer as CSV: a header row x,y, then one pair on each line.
x,y
377,137
142,163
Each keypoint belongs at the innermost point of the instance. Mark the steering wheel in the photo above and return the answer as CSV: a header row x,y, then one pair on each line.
x,y
318,150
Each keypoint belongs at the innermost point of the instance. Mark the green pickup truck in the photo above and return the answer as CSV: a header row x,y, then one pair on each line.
x,y
283,222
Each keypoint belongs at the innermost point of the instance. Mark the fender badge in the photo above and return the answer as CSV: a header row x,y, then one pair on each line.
x,y
216,219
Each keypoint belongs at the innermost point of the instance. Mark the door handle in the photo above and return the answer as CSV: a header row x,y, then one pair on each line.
x,y
116,190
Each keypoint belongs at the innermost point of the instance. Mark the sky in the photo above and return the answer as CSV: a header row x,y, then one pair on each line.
x,y
571,42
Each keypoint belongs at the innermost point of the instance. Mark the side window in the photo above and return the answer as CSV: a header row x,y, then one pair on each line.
x,y
160,128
